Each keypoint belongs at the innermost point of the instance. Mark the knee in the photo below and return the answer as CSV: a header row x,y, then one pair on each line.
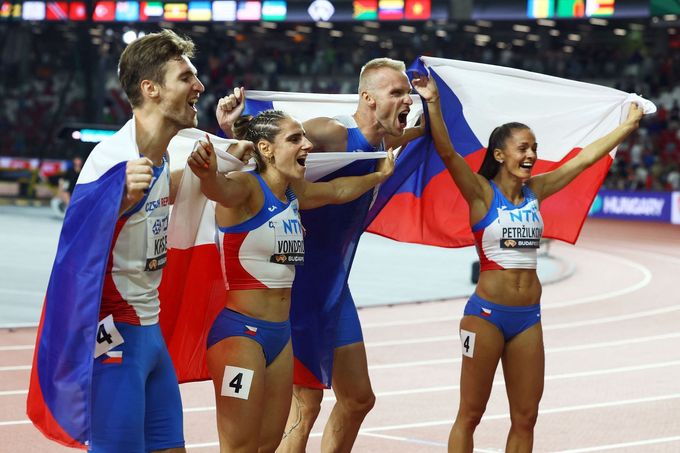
x,y
306,409
359,403
469,418
524,420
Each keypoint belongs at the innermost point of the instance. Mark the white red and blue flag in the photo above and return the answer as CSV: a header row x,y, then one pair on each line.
x,y
59,397
565,116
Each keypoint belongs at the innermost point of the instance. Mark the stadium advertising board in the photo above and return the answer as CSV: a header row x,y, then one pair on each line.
x,y
648,206
675,208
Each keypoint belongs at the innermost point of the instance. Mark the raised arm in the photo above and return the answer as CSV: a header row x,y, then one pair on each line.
x,y
342,190
227,190
474,187
546,184
326,134
229,109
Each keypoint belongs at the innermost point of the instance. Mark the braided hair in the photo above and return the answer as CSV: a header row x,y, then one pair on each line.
x,y
264,126
490,165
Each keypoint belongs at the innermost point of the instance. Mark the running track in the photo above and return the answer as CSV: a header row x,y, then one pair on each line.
x,y
612,341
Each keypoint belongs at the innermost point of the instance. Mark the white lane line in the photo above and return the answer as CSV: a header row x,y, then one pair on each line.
x,y
13,392
406,439
408,322
378,344
610,319
637,443
552,377
580,347
15,368
495,383
568,325
202,445
18,347
581,407
15,422
646,279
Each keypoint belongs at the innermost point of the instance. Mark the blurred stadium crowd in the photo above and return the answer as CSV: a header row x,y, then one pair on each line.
x,y
56,76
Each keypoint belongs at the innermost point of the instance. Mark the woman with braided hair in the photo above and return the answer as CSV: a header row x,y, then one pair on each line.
x,y
261,241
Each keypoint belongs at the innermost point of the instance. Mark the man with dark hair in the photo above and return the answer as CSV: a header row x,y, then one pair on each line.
x,y
135,395
102,377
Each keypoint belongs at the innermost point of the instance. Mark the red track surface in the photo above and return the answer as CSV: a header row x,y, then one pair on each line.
x,y
612,361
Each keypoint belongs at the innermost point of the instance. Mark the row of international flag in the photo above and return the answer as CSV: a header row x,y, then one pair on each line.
x,y
570,8
200,10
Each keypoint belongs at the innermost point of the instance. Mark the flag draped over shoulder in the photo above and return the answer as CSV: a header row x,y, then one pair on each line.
x,y
565,116
192,291
332,235
59,401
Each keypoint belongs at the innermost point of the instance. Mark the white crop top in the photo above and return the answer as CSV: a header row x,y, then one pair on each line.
x,y
262,252
509,235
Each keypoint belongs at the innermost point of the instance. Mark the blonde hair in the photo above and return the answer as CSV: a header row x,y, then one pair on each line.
x,y
374,65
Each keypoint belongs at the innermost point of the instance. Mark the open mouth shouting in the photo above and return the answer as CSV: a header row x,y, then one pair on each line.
x,y
192,103
301,160
402,117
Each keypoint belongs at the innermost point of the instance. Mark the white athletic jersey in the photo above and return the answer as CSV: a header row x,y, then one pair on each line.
x,y
508,236
262,251
138,255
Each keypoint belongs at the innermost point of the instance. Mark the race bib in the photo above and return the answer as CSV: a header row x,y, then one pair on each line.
x,y
289,245
157,243
520,228
236,382
108,336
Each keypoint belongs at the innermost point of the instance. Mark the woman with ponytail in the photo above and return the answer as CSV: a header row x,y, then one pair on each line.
x,y
502,319
250,356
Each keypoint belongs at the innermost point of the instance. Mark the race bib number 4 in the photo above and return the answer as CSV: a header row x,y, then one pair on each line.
x,y
236,382
108,336
467,342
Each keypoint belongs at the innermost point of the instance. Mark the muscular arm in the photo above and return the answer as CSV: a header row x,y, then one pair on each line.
x,y
341,190
326,134
230,191
474,187
546,184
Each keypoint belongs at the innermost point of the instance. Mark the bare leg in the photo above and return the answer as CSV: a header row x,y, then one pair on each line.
x,y
476,379
238,420
524,369
354,396
278,390
304,410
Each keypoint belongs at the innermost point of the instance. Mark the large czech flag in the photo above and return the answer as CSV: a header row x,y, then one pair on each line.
x,y
332,235
192,291
565,116
59,396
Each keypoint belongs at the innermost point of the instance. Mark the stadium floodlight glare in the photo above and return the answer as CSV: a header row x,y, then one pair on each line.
x,y
598,21
321,10
129,36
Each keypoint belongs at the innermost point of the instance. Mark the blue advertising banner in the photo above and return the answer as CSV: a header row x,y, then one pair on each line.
x,y
648,206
